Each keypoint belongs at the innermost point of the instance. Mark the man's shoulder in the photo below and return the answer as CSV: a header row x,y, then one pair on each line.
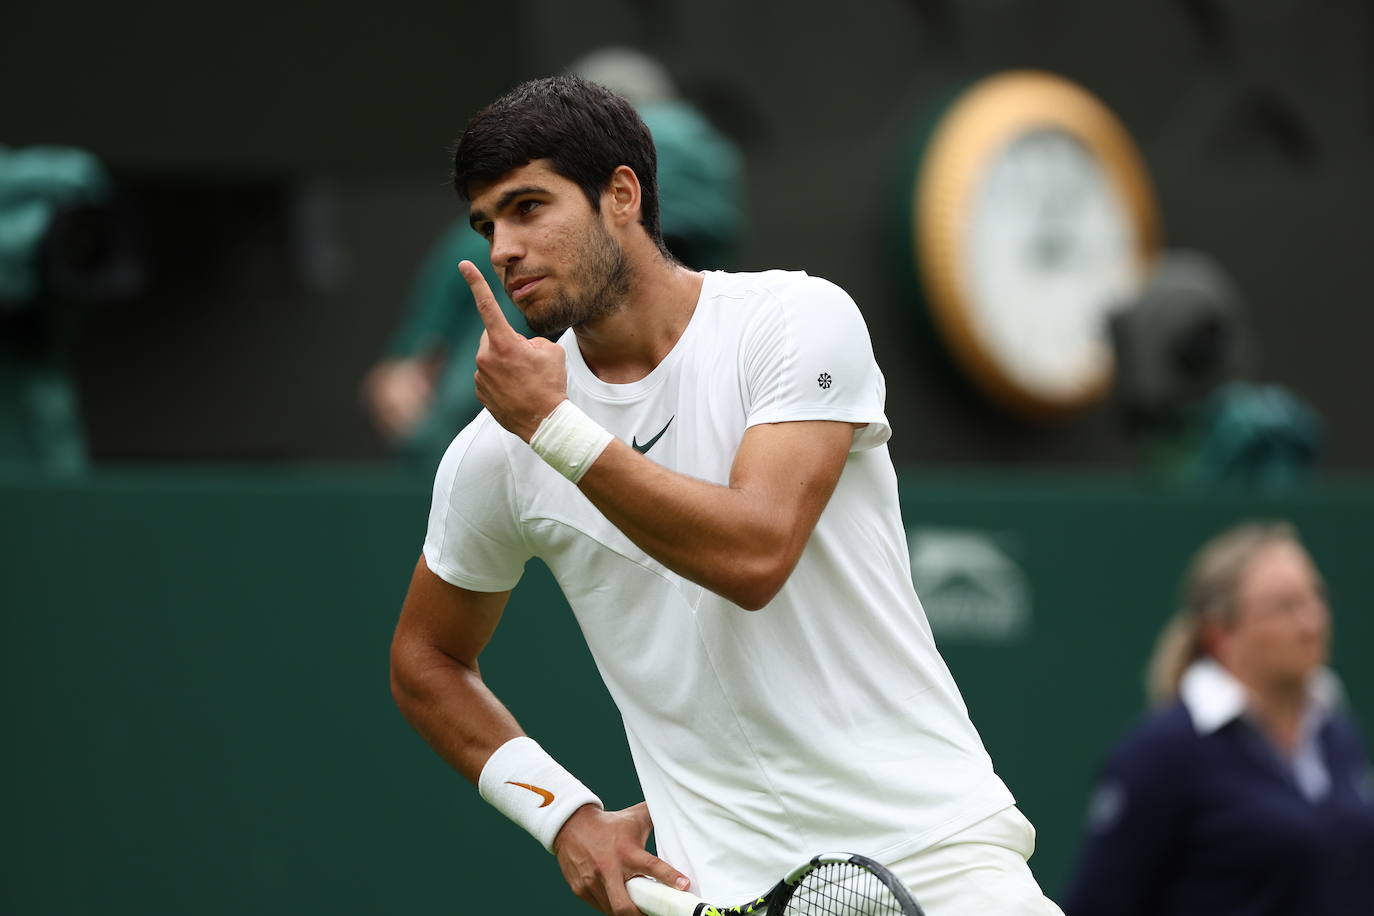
x,y
767,298
483,449
778,283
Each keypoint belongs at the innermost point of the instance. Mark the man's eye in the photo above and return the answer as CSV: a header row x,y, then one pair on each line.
x,y
527,206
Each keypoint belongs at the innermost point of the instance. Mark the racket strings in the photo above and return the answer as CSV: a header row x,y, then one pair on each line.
x,y
842,889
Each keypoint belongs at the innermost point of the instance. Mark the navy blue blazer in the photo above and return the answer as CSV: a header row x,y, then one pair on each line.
x,y
1185,824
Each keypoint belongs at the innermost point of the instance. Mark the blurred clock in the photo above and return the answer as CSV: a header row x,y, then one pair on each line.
x,y
1032,216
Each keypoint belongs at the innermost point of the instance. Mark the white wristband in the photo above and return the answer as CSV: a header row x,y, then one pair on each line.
x,y
528,786
570,441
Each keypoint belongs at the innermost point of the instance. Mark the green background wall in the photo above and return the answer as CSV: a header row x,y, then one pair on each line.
x,y
195,682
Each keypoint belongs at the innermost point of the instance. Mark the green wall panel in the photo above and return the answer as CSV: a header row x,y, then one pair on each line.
x,y
195,681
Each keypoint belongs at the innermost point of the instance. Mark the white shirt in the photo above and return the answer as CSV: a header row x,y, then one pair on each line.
x,y
826,720
1214,698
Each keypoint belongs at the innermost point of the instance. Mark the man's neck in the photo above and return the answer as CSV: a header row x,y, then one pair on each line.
x,y
626,345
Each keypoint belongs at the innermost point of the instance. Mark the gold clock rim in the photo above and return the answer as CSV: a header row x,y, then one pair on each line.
x,y
980,122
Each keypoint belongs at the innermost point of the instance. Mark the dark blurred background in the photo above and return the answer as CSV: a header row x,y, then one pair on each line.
x,y
288,167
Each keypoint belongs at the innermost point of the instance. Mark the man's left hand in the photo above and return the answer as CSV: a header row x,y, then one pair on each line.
x,y
599,850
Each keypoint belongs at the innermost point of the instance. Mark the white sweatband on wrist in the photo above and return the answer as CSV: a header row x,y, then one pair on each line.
x,y
528,786
569,440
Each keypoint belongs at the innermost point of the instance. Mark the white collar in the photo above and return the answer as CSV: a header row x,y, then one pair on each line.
x,y
1213,696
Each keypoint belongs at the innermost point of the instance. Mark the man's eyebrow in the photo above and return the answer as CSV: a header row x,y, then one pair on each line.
x,y
477,216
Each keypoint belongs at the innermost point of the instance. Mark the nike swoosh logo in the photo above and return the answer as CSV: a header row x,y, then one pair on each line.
x,y
542,793
634,443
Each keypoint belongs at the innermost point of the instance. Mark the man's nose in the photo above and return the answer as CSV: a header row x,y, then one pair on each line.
x,y
506,249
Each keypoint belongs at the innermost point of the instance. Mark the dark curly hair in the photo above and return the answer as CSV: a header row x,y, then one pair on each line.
x,y
582,128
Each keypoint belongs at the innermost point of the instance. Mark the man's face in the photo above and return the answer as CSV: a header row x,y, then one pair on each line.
x,y
552,251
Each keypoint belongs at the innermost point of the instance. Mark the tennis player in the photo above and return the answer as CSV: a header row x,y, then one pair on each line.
x,y
701,461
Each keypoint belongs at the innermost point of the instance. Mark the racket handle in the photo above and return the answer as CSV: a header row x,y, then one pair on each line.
x,y
655,899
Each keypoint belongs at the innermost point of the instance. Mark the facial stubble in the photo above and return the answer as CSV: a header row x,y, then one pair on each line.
x,y
602,276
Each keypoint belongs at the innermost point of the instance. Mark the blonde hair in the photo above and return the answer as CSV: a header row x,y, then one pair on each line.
x,y
1209,591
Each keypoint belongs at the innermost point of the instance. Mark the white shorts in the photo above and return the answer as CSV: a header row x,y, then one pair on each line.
x,y
978,871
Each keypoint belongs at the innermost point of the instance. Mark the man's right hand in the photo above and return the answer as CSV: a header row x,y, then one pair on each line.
x,y
519,379
600,850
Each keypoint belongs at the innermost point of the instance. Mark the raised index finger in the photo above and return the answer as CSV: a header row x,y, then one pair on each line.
x,y
487,306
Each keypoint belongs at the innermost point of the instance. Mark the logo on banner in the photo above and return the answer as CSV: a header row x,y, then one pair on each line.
x,y
971,589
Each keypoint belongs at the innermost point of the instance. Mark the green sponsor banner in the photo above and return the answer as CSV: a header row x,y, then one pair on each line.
x,y
197,695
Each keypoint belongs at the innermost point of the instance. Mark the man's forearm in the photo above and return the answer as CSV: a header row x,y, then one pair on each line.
x,y
451,707
742,540
715,536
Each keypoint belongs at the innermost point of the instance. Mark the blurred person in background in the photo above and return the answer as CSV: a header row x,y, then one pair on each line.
x,y
421,393
65,248
1248,791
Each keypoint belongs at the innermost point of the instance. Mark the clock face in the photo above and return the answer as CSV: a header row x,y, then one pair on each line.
x,y
1051,249
1032,219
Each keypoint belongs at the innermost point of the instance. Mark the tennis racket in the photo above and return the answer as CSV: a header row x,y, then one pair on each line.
x,y
831,884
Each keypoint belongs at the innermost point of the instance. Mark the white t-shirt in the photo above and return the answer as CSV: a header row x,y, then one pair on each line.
x,y
824,721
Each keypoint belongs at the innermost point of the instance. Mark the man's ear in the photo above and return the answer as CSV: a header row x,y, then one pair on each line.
x,y
621,200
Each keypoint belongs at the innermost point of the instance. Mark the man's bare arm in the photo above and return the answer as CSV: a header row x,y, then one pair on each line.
x,y
439,689
434,675
743,540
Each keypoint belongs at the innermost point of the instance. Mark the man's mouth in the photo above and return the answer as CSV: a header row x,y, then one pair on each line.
x,y
522,287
